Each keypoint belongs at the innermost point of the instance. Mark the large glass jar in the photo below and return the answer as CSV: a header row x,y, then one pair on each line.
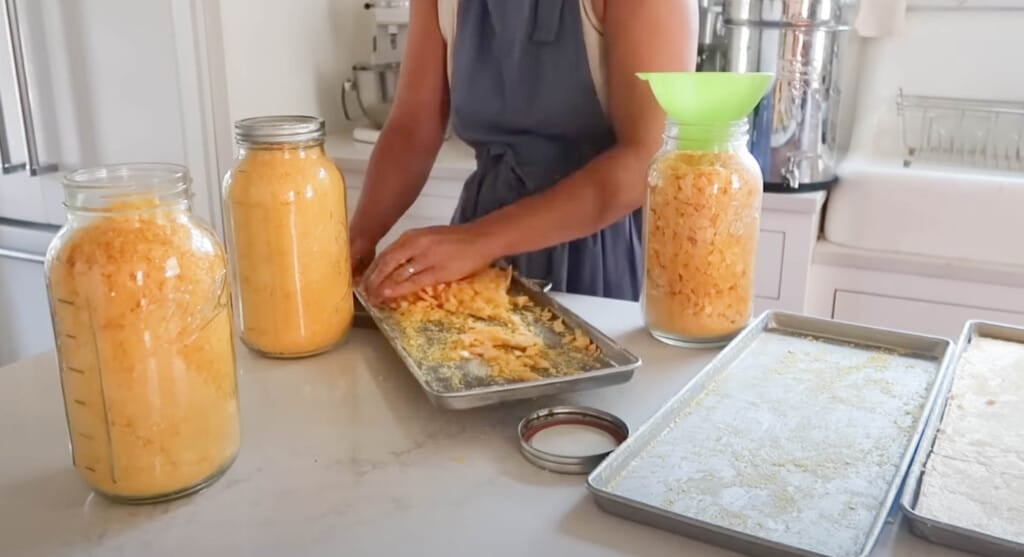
x,y
702,218
141,311
287,225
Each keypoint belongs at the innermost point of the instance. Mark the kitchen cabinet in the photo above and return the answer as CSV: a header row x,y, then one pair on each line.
x,y
25,322
25,327
103,81
909,314
790,223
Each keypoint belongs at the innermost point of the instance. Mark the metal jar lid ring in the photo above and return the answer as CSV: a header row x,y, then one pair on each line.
x,y
570,439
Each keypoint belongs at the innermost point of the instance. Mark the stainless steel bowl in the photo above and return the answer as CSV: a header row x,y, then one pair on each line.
x,y
373,89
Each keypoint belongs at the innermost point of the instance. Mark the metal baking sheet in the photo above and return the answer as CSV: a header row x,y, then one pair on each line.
x,y
937,531
615,364
361,318
794,440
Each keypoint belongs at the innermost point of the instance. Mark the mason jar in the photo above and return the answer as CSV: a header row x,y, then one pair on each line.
x,y
139,297
702,219
287,228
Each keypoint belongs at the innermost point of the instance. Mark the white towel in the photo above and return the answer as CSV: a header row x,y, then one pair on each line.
x,y
879,18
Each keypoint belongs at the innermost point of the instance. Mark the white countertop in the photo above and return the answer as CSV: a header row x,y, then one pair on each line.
x,y
342,454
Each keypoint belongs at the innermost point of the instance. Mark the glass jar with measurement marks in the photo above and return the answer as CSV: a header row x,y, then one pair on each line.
x,y
287,225
140,301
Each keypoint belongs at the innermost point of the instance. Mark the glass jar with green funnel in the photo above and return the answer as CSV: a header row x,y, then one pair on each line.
x,y
703,208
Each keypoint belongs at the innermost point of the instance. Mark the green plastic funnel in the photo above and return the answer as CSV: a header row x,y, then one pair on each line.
x,y
706,98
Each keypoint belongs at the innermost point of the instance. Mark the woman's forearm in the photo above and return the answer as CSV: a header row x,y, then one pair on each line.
x,y
397,172
604,191
613,184
409,143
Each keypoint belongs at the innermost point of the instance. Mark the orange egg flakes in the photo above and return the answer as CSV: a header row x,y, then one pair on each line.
x,y
487,324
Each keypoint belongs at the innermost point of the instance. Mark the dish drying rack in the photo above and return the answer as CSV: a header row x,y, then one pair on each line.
x,y
970,132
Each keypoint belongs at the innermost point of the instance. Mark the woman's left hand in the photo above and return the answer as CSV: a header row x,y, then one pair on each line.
x,y
424,257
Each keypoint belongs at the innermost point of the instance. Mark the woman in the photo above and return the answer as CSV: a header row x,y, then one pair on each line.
x,y
561,150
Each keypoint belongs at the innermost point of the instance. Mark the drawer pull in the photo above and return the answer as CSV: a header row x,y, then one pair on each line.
x,y
22,255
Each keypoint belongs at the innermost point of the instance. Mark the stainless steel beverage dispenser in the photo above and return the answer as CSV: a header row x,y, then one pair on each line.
x,y
710,41
793,133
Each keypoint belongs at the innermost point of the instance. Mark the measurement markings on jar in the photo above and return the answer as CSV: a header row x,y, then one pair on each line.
x,y
90,468
72,337
75,370
81,402
86,436
104,402
66,302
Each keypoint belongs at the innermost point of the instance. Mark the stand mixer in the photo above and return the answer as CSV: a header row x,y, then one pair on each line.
x,y
367,96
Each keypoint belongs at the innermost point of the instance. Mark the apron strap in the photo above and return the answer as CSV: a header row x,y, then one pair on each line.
x,y
593,39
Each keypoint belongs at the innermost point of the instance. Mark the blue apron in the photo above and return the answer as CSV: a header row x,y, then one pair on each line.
x,y
523,98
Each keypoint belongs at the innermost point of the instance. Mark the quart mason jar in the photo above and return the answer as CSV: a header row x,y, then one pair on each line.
x,y
702,219
140,301
285,208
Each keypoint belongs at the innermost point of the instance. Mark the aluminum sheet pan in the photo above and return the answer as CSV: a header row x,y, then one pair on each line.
x,y
794,440
614,365
937,531
361,318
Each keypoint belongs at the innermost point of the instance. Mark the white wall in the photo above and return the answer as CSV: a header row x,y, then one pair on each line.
x,y
291,56
966,54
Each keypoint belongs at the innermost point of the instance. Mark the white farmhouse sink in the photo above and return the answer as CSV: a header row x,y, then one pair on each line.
x,y
964,214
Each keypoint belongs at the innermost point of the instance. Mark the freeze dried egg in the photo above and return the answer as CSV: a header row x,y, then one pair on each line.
x,y
701,227
478,319
483,295
289,232
515,355
141,313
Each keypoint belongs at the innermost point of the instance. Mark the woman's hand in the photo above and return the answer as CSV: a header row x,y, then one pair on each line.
x,y
425,257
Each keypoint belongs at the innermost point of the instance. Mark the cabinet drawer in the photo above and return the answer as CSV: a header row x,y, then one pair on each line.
x,y
25,327
770,252
921,316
